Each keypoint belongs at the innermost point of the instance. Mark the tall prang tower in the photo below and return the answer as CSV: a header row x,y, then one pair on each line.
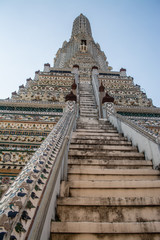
x,y
81,49
86,133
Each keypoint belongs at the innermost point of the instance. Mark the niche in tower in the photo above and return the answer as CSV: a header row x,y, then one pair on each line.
x,y
83,42
83,46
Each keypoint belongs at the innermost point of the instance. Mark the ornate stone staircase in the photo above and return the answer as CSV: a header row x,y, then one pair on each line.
x,y
112,192
88,106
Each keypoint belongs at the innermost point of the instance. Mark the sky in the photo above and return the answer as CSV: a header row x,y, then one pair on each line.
x,y
128,31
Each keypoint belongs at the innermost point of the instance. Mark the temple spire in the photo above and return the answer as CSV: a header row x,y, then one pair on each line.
x,y
81,25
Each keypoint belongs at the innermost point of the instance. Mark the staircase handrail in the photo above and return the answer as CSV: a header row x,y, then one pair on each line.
x,y
146,142
95,83
135,126
76,76
33,193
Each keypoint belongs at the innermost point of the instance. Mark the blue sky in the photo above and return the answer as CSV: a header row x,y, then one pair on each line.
x,y
128,31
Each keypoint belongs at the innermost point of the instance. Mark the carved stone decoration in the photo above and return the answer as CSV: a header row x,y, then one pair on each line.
x,y
7,157
71,97
107,98
74,86
101,88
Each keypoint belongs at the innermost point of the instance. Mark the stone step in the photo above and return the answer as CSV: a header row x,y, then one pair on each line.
x,y
84,127
87,103
85,107
92,104
102,147
109,164
88,111
101,142
96,130
95,134
88,106
82,111
110,236
88,100
84,173
105,154
108,137
86,89
108,209
88,121
109,201
106,228
109,188
86,94
95,124
89,115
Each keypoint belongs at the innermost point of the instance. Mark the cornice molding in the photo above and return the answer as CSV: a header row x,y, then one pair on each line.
x,y
137,109
38,104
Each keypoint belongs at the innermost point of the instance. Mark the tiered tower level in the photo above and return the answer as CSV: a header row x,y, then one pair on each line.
x,y
29,115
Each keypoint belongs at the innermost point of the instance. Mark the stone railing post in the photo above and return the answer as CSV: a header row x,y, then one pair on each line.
x,y
108,104
95,83
46,67
101,96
